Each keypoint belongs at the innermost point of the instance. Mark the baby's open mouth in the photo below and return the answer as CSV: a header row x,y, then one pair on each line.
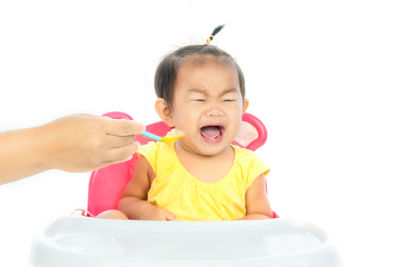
x,y
212,133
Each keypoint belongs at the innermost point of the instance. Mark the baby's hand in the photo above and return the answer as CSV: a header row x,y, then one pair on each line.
x,y
156,213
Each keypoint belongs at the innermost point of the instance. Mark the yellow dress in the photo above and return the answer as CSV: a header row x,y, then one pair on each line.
x,y
191,199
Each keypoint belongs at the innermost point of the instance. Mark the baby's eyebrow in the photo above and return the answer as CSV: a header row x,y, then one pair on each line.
x,y
204,92
229,90
196,90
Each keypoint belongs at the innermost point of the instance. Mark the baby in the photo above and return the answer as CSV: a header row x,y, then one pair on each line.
x,y
201,176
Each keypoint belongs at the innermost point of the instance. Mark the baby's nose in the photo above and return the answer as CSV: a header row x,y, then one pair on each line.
x,y
214,112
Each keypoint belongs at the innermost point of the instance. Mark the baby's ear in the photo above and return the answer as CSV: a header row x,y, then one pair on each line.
x,y
245,105
164,111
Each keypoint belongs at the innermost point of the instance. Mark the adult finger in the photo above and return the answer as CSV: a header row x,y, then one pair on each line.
x,y
122,153
123,127
112,141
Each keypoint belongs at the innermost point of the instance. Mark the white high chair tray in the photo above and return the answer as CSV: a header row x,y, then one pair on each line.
x,y
90,242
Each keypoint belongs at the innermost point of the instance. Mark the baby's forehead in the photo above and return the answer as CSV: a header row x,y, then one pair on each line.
x,y
194,65
206,76
201,59
207,69
217,73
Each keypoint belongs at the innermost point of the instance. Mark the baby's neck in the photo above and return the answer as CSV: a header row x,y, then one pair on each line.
x,y
206,168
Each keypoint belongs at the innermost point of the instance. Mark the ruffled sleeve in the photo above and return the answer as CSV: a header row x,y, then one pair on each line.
x,y
150,152
253,167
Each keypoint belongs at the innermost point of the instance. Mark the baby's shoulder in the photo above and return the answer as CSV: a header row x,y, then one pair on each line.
x,y
246,158
151,147
243,153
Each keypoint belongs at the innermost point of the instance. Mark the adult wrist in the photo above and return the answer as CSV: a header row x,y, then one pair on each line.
x,y
45,146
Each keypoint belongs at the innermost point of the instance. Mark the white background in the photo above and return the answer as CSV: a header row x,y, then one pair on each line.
x,y
323,77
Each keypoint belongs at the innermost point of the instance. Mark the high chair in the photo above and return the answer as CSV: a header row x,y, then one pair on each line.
x,y
107,184
81,241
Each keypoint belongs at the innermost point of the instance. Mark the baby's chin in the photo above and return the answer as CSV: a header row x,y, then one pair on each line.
x,y
210,150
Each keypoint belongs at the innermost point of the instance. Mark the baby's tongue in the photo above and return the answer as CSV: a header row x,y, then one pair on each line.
x,y
211,132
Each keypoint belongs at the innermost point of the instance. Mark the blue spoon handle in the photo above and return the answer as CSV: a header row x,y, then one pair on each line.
x,y
151,136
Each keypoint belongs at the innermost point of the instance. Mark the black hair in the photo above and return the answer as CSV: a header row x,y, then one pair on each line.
x,y
167,70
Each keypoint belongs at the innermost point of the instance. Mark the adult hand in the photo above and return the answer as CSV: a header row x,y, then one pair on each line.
x,y
75,143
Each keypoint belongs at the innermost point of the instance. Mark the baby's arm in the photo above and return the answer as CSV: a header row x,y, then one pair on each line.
x,y
257,204
134,202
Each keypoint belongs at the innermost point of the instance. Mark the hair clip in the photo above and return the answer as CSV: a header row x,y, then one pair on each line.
x,y
215,31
